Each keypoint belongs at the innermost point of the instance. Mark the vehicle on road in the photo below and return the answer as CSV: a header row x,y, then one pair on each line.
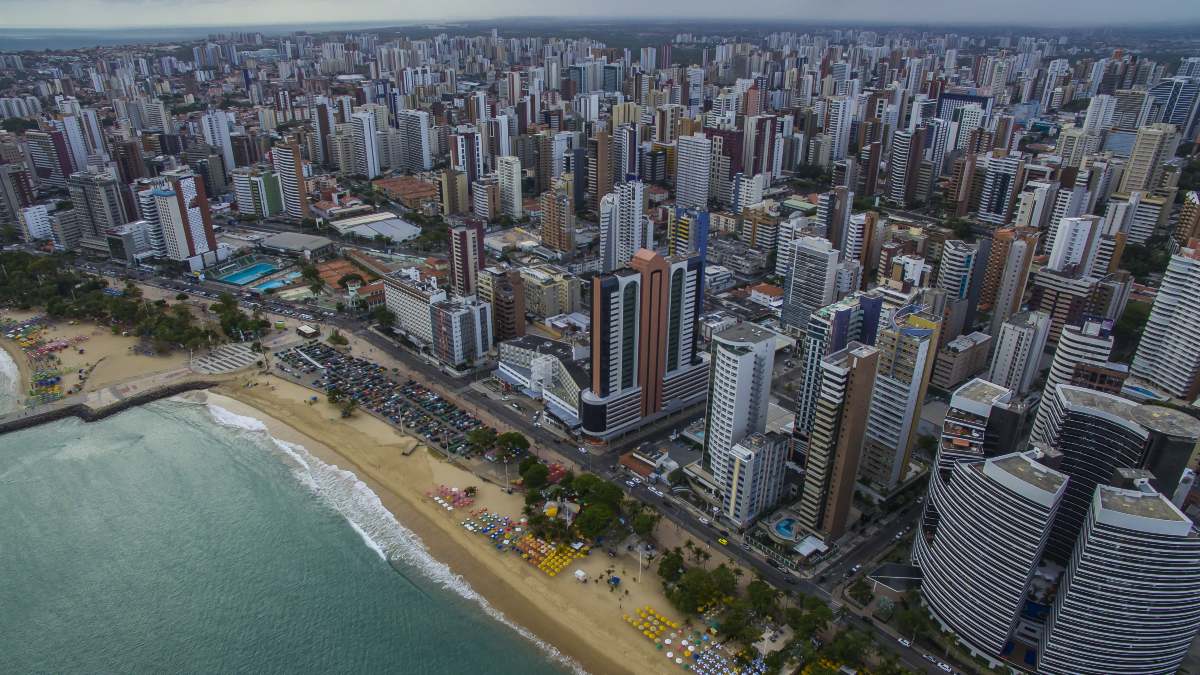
x,y
723,541
656,492
704,521
945,666
929,658
905,642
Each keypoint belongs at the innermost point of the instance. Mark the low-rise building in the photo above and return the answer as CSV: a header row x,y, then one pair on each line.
x,y
961,359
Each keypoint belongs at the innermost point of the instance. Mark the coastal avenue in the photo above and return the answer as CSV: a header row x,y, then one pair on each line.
x,y
604,464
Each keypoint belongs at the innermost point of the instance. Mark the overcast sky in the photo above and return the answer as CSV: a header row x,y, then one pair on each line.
x,y
120,13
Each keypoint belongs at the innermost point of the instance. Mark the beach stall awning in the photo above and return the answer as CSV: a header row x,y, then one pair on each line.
x,y
581,575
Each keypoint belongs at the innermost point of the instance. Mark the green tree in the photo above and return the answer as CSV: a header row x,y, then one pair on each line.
x,y
512,441
670,565
383,316
594,520
762,598
350,278
644,522
481,439
861,592
526,464
724,580
536,477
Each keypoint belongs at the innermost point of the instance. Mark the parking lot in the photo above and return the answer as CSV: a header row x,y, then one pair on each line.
x,y
408,405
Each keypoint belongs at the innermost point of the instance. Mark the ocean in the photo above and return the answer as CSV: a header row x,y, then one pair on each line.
x,y
180,537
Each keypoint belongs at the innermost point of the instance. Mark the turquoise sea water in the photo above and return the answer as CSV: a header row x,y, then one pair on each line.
x,y
179,537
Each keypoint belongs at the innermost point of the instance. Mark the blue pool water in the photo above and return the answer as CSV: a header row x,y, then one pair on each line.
x,y
245,276
786,527
276,283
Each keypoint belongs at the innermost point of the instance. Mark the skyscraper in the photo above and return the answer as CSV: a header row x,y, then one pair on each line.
x,y
1016,360
417,148
1127,601
976,570
1088,344
600,167
742,358
692,166
1168,354
183,216
1007,273
1153,146
811,281
644,359
834,448
508,170
558,218
366,153
97,197
907,344
214,125
289,166
466,258
624,229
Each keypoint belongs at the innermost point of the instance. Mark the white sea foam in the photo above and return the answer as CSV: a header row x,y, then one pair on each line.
x,y
10,383
379,529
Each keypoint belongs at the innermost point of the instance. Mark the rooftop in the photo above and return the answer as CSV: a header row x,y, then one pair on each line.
x,y
1167,421
1138,503
982,391
1026,468
295,241
747,332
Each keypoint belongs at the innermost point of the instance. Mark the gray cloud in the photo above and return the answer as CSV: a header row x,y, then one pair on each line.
x,y
130,13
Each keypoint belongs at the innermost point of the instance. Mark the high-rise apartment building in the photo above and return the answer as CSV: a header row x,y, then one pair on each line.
x,y
1153,146
741,359
1168,353
1126,604
1017,358
599,167
466,258
624,228
289,166
834,449
416,143
183,216
693,162
558,218
462,331
363,128
907,343
811,281
97,196
508,170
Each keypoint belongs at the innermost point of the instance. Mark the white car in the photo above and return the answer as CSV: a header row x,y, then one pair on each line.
x,y
704,521
944,666
904,642
656,492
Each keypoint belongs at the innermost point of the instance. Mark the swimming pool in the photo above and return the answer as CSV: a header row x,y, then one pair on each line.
x,y
786,528
248,274
276,283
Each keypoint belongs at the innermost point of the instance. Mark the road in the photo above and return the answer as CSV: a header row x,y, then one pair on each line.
x,y
550,447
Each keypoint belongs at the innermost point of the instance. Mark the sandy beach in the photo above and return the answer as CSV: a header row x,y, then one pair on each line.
x,y
583,620
108,359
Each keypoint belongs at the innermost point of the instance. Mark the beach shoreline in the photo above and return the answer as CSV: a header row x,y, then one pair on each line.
x,y
24,373
583,621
